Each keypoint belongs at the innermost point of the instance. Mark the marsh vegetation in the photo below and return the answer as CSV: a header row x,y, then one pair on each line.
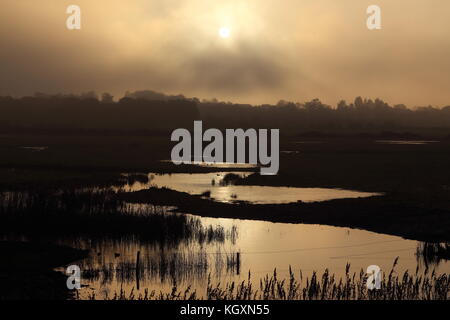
x,y
317,286
74,192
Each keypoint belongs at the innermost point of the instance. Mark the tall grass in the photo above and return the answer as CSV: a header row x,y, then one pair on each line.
x,y
97,214
167,267
407,286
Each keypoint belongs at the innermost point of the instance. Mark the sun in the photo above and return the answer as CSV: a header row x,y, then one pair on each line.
x,y
224,32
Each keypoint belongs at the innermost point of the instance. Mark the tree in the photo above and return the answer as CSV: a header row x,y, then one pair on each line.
x,y
107,98
342,105
359,103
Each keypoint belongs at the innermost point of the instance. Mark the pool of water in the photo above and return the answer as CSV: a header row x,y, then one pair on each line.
x,y
255,247
200,183
262,247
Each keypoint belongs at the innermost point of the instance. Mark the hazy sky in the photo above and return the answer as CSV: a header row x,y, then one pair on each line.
x,y
278,49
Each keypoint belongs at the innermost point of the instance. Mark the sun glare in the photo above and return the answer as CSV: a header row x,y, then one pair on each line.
x,y
224,32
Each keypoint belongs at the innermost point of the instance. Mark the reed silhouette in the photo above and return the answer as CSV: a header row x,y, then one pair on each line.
x,y
417,286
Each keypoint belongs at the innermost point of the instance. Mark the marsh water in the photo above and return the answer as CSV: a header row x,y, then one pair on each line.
x,y
257,247
213,185
260,248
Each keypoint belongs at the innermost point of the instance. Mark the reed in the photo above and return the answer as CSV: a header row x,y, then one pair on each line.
x,y
170,267
98,214
406,286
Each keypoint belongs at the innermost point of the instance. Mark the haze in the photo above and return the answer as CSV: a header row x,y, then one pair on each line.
x,y
292,50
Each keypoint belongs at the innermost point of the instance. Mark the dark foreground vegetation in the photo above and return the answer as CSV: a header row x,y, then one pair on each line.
x,y
408,286
26,270
77,214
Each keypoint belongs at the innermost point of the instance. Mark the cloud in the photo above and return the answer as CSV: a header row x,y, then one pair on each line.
x,y
237,71
294,50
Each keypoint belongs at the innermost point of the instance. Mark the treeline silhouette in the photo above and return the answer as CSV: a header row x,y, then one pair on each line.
x,y
314,117
87,113
150,112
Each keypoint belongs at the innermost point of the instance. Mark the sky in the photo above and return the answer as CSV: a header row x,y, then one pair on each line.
x,y
295,50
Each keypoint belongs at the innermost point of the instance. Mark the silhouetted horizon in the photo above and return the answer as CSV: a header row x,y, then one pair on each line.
x,y
150,111
153,95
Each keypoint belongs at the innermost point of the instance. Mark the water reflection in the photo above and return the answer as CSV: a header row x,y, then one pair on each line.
x,y
223,250
262,247
209,184
432,254
406,142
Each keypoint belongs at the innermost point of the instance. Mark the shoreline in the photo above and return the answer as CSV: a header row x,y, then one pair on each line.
x,y
407,221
